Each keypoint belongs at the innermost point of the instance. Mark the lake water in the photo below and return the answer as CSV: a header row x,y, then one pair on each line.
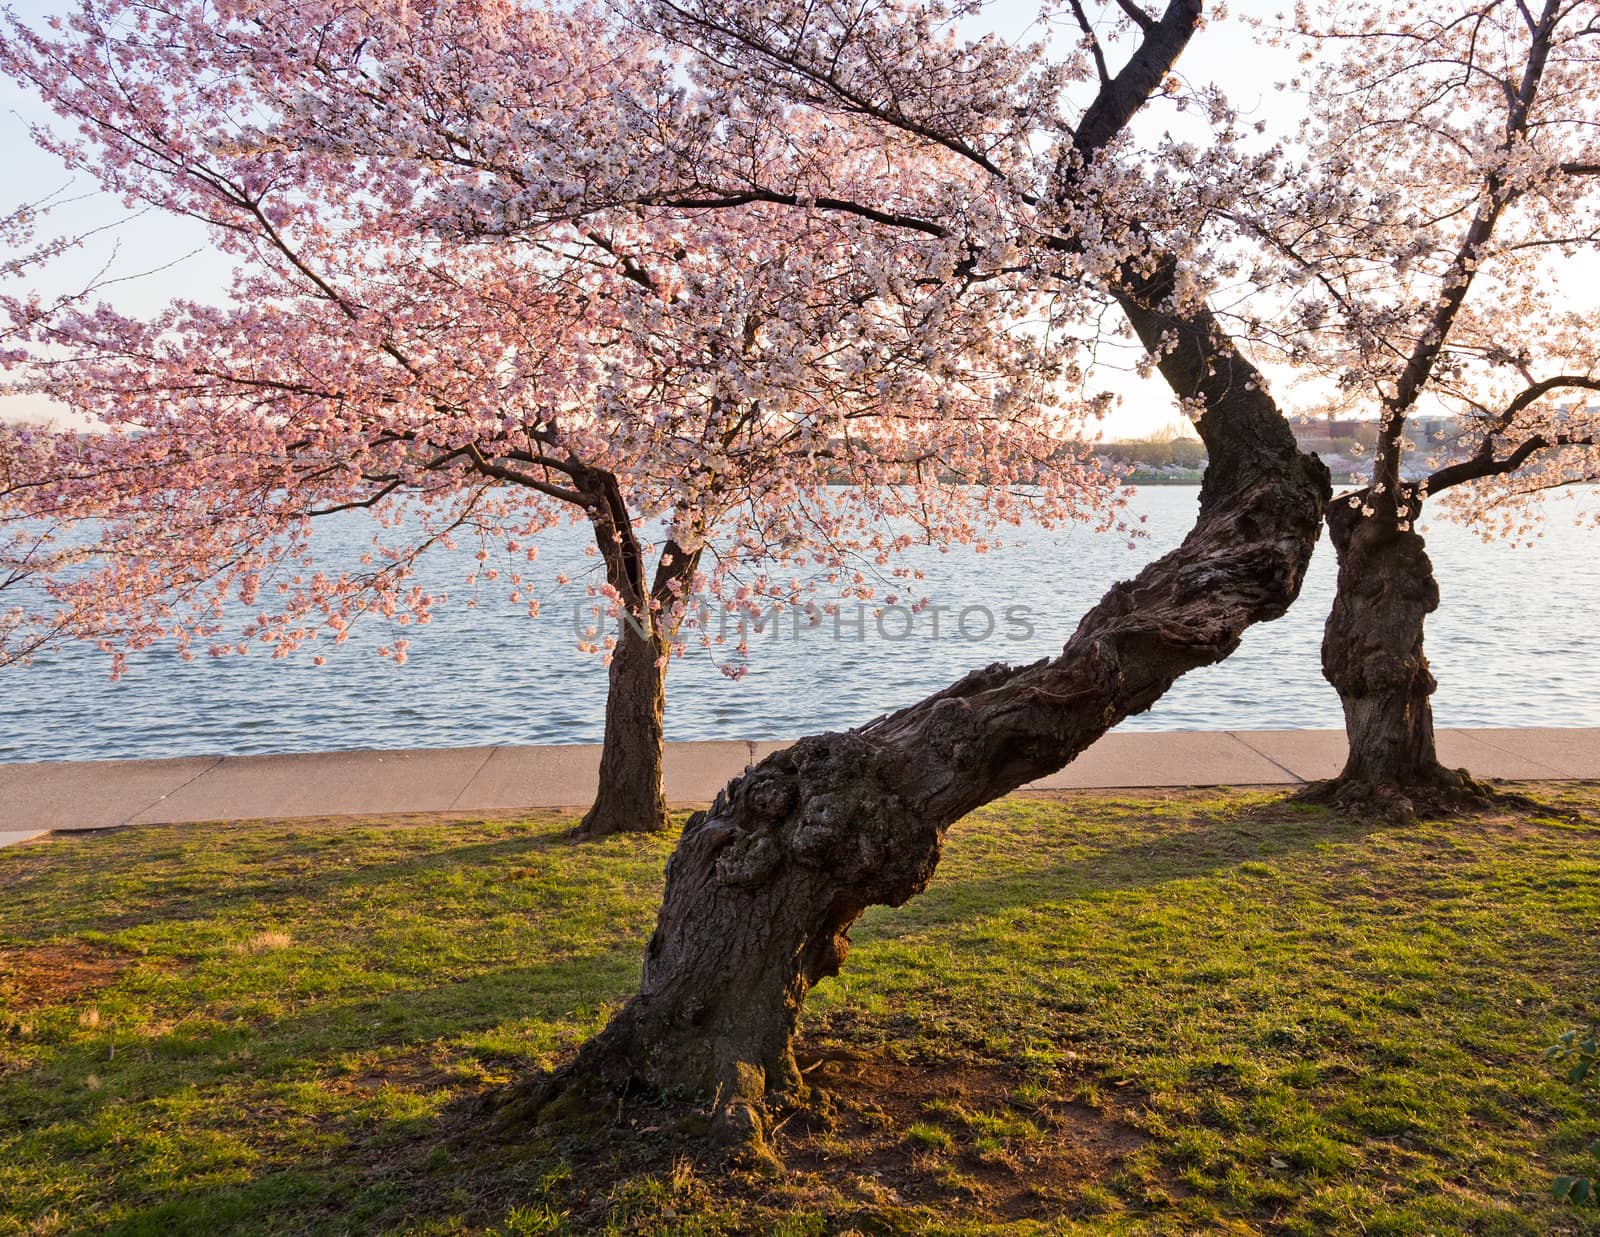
x,y
1514,643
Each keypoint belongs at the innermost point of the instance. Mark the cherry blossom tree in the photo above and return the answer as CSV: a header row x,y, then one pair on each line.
x,y
23,560
451,314
35,552
1422,269
957,167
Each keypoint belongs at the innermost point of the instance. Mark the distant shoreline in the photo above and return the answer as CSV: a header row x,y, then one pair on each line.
x,y
1161,479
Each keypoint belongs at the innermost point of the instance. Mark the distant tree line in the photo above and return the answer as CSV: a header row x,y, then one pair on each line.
x,y
1156,451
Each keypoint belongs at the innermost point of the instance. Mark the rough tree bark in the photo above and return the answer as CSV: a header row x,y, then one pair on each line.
x,y
631,798
1372,654
763,888
1372,645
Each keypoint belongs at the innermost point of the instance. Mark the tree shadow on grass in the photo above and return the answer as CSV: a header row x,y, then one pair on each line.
x,y
170,897
310,1165
439,1168
1209,842
439,1174
404,1174
373,1169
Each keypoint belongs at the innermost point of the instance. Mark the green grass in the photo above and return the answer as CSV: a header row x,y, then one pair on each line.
x,y
1199,1012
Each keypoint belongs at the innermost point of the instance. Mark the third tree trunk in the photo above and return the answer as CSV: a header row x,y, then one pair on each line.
x,y
1372,655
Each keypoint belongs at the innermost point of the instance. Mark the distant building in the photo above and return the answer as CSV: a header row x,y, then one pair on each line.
x,y
1426,430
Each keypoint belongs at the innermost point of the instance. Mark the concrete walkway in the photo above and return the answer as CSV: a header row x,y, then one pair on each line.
x,y
101,794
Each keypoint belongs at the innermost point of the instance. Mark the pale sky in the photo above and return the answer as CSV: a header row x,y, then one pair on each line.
x,y
161,257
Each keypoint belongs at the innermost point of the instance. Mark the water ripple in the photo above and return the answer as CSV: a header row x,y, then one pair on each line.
x,y
1514,643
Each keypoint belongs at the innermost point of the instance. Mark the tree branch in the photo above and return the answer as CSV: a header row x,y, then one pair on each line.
x,y
500,472
1094,42
1483,462
1149,65
1476,469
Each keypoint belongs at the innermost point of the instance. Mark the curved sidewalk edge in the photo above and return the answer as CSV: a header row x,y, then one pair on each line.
x,y
102,794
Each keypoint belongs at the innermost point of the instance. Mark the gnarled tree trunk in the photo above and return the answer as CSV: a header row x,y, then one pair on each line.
x,y
764,887
1372,655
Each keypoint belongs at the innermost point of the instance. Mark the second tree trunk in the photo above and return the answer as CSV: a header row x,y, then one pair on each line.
x,y
630,798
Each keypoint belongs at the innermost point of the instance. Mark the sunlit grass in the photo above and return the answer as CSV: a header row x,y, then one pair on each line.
x,y
1315,1025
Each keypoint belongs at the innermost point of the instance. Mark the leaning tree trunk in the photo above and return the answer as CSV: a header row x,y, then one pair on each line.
x,y
764,887
631,797
1372,655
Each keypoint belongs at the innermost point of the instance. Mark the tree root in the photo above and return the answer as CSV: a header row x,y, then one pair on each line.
x,y
605,821
596,1091
1436,793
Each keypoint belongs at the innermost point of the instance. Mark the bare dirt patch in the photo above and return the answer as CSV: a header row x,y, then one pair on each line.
x,y
888,1146
416,1069
954,1138
41,975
